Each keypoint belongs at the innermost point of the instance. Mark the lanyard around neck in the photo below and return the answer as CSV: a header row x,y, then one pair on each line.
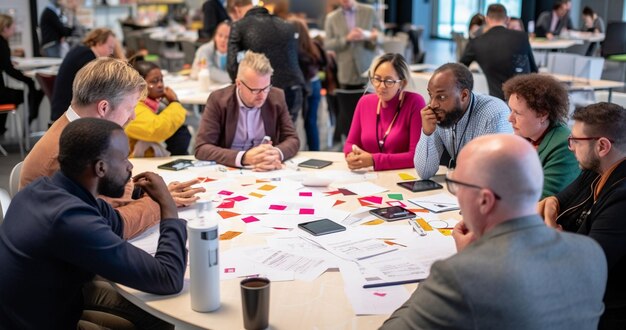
x,y
381,142
456,147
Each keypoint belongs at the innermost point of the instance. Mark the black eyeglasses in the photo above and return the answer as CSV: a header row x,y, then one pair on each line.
x,y
453,186
257,91
571,139
387,82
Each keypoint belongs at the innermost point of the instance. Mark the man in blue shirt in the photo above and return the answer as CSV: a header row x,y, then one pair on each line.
x,y
58,235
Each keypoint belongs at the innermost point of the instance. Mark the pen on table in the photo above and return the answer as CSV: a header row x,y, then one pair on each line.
x,y
416,227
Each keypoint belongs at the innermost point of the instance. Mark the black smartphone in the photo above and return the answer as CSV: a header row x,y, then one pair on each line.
x,y
393,213
176,165
321,227
315,163
420,185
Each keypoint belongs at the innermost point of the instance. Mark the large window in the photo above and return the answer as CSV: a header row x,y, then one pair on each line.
x,y
454,15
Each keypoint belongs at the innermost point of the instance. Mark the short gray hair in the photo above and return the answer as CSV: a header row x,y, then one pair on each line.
x,y
106,79
256,62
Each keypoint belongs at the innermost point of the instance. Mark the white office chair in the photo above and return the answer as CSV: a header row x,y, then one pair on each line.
x,y
14,179
5,200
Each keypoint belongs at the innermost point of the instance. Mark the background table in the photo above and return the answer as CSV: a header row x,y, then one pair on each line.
x,y
320,304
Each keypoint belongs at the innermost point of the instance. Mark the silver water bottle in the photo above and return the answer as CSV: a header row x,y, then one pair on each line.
x,y
203,258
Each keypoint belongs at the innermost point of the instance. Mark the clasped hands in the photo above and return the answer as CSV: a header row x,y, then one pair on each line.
x,y
263,157
359,158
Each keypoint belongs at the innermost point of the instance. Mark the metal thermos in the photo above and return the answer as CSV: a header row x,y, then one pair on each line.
x,y
203,258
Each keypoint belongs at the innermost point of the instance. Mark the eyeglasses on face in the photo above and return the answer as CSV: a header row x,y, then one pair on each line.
x,y
387,82
453,186
257,91
571,140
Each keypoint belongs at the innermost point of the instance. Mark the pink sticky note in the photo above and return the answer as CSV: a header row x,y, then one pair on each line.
x,y
380,294
229,270
306,194
225,192
249,219
237,198
278,207
372,199
395,203
226,205
307,211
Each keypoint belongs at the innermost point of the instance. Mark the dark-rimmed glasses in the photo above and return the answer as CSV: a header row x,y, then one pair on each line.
x,y
257,91
570,139
453,185
387,82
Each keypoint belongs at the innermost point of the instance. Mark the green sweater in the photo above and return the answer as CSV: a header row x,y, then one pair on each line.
x,y
560,167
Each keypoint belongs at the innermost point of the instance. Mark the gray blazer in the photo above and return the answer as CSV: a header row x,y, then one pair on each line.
x,y
544,22
519,275
353,58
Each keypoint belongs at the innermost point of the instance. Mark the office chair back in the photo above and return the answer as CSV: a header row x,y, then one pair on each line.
x,y
14,179
614,39
47,83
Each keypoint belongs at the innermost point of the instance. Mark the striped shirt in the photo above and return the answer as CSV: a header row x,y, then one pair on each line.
x,y
486,115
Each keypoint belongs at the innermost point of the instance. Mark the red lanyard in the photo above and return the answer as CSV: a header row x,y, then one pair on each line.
x,y
381,142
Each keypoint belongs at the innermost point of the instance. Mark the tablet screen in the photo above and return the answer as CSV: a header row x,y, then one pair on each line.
x,y
321,227
420,185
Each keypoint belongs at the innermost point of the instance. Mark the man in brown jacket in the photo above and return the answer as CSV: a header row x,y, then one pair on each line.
x,y
247,124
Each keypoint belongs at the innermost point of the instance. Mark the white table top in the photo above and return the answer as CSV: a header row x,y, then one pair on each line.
x,y
545,44
320,304
189,91
29,63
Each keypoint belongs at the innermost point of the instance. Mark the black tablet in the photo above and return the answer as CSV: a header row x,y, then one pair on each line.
x,y
321,227
393,213
315,163
420,185
176,165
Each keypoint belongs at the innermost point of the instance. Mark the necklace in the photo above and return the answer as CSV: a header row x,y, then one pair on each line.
x,y
381,142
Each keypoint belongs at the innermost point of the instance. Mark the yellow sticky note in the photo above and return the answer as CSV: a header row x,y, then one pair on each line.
x,y
374,222
406,176
257,195
445,232
424,224
267,187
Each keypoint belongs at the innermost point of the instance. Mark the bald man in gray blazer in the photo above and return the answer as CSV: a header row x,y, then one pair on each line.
x,y
511,271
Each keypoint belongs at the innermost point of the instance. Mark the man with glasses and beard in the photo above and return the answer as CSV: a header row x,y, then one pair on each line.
x,y
247,124
511,271
58,235
595,203
455,116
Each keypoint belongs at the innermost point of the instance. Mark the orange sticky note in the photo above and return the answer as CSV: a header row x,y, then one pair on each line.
x,y
229,235
267,187
227,214
374,222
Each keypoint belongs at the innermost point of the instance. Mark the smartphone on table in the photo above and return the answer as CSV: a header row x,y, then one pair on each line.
x,y
393,213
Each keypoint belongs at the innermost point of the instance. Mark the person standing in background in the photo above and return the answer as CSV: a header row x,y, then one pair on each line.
x,y
53,28
354,32
312,59
214,12
260,32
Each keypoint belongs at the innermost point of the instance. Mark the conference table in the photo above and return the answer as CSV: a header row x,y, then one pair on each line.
x,y
321,303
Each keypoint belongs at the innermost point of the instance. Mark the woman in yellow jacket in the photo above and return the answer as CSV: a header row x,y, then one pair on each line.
x,y
159,118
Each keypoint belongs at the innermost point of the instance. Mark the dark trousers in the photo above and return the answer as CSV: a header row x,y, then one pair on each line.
x,y
178,143
295,99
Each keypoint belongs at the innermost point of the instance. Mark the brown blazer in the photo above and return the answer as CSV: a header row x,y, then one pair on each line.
x,y
219,123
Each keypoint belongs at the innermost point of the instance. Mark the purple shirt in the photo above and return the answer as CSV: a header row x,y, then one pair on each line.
x,y
250,130
399,147
350,16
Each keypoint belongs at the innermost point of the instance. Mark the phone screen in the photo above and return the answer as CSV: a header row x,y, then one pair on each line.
x,y
393,213
420,185
321,227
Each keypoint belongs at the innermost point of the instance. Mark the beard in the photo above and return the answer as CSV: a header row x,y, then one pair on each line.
x,y
452,116
111,187
592,163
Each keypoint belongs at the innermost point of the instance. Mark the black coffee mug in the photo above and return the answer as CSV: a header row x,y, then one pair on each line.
x,y
255,303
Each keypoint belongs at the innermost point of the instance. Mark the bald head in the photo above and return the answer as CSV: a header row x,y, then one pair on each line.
x,y
508,165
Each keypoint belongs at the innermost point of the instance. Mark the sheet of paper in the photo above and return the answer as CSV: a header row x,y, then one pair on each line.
x,y
235,264
441,202
304,268
351,246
